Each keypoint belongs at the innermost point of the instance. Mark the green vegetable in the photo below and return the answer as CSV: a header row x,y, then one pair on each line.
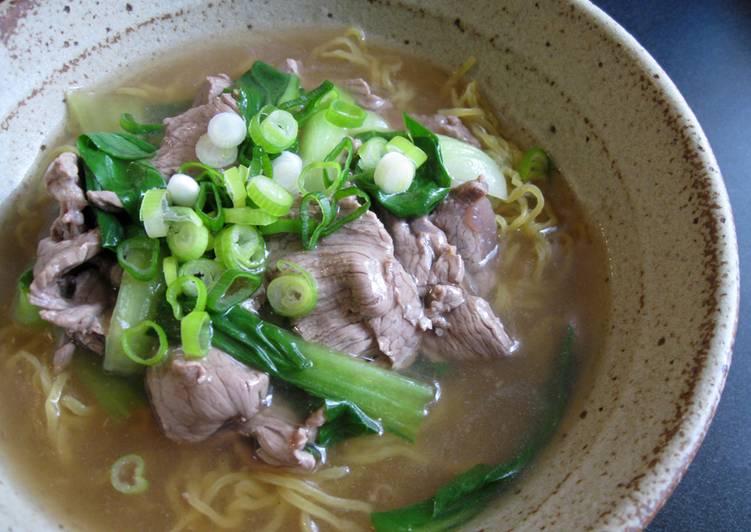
x,y
465,162
129,124
136,301
169,269
201,172
23,311
370,152
430,185
110,228
260,164
248,216
207,270
153,212
208,206
121,145
321,176
318,137
311,229
309,102
294,293
231,288
345,114
405,147
187,240
465,496
344,420
118,396
399,402
373,123
340,221
270,196
130,467
234,184
240,247
139,256
195,334
136,342
535,165
264,85
273,129
189,285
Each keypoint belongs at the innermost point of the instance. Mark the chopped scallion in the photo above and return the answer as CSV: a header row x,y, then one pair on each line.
x,y
187,240
273,129
407,148
294,293
345,114
195,334
535,165
139,256
136,342
240,247
270,196
234,183
233,287
127,475
208,206
153,210
189,285
248,216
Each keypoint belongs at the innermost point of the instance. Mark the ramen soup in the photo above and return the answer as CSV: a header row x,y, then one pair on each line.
x,y
296,285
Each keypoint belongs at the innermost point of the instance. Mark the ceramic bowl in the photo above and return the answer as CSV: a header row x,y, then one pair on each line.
x,y
617,128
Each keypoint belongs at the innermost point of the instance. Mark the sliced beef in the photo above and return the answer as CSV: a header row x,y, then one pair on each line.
x,y
367,303
105,200
292,66
365,96
211,88
193,399
282,437
450,126
470,329
183,131
467,218
63,182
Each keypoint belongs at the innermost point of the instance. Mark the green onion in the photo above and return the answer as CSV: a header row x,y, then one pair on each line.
x,y
139,256
233,287
152,212
535,165
283,225
336,224
186,239
200,172
310,229
260,164
136,341
311,101
322,176
208,206
240,247
195,334
294,293
248,216
234,183
273,129
207,270
119,471
319,137
169,269
189,285
371,152
407,148
23,311
270,196
345,114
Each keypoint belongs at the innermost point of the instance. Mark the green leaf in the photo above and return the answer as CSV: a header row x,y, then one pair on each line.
x,y
110,228
129,124
264,85
345,419
121,145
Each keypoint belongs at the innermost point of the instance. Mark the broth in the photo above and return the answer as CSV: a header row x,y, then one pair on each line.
x,y
486,411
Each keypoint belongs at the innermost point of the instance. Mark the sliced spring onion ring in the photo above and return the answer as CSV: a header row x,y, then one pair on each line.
x,y
169,268
127,475
188,285
234,184
240,247
233,287
284,225
207,270
208,206
407,148
136,341
321,176
371,152
269,196
195,334
535,165
154,206
294,293
310,229
248,216
187,241
345,114
336,224
201,172
260,164
182,214
273,129
139,256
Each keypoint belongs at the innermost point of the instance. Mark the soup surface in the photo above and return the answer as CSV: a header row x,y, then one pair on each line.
x,y
486,410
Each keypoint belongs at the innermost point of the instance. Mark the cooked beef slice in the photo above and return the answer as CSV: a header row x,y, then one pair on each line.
x,y
282,437
183,131
193,399
292,66
211,88
467,218
364,95
451,126
63,182
105,200
367,303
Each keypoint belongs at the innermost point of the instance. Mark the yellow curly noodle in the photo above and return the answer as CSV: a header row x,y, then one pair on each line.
x,y
63,411
227,495
351,47
368,450
525,209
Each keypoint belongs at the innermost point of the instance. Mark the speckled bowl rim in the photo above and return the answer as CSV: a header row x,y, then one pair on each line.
x,y
727,289
728,271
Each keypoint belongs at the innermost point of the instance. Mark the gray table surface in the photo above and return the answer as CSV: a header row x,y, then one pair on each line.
x,y
705,47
